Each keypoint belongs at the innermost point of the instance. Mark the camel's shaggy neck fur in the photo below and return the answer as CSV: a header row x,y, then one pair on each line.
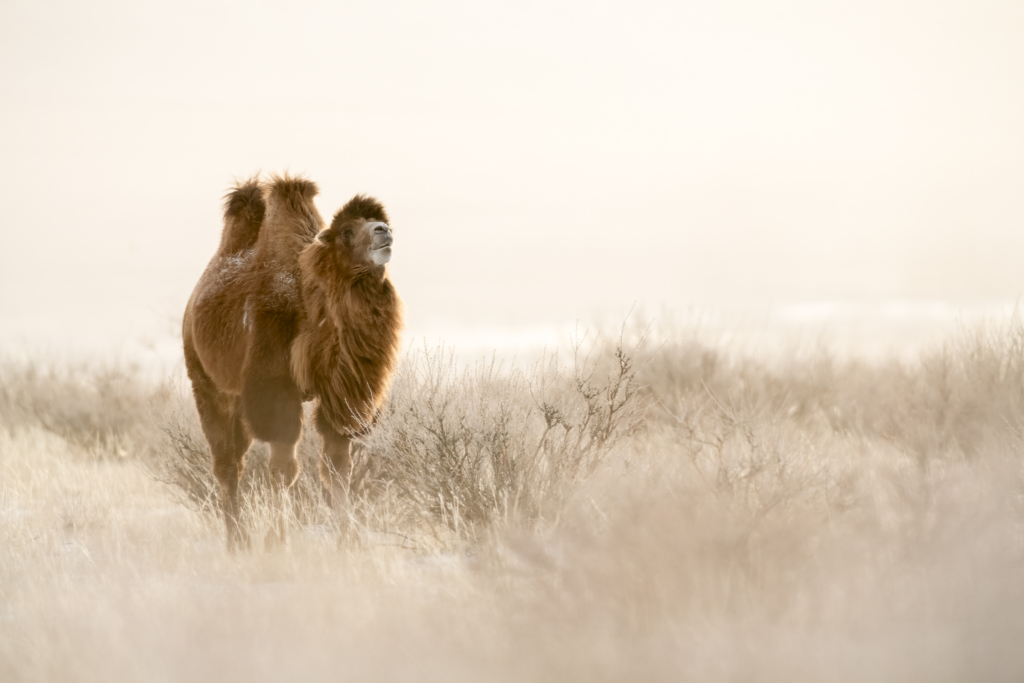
x,y
348,344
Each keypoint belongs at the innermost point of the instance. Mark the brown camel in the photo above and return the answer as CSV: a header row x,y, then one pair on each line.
x,y
290,311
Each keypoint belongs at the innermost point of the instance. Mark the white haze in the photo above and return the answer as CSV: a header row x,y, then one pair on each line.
x,y
542,162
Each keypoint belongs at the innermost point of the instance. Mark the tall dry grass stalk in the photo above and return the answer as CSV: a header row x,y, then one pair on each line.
x,y
688,515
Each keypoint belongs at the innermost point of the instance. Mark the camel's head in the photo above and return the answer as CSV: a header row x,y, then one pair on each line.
x,y
360,234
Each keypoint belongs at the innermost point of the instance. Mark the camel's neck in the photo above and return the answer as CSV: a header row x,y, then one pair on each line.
x,y
348,347
366,314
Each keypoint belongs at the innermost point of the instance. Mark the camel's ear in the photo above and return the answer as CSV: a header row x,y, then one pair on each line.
x,y
326,236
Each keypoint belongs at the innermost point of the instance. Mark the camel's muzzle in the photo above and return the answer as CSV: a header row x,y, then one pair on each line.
x,y
381,236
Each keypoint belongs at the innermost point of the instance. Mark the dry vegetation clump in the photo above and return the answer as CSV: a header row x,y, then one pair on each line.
x,y
696,515
104,410
955,401
478,447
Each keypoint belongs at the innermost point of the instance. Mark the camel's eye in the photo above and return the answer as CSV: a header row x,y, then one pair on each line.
x,y
346,237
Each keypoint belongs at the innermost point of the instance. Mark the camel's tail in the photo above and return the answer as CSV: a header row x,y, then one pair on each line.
x,y
244,208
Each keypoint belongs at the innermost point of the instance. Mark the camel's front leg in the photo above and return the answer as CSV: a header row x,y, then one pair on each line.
x,y
336,475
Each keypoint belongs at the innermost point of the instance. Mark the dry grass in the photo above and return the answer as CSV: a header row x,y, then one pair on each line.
x,y
679,514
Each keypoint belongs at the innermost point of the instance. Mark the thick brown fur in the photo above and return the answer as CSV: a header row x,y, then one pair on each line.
x,y
279,317
349,344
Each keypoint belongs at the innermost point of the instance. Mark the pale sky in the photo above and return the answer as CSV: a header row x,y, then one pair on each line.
x,y
541,162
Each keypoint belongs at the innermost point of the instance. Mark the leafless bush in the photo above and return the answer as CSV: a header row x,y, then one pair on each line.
x,y
471,448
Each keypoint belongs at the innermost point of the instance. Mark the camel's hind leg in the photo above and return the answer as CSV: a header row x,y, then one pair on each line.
x,y
229,442
284,470
228,464
221,418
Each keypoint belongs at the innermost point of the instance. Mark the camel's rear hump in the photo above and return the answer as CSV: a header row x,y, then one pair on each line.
x,y
244,209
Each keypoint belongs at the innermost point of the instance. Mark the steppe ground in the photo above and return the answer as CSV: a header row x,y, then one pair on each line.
x,y
637,511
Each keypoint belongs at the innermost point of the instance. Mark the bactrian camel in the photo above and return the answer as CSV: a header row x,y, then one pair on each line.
x,y
287,311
